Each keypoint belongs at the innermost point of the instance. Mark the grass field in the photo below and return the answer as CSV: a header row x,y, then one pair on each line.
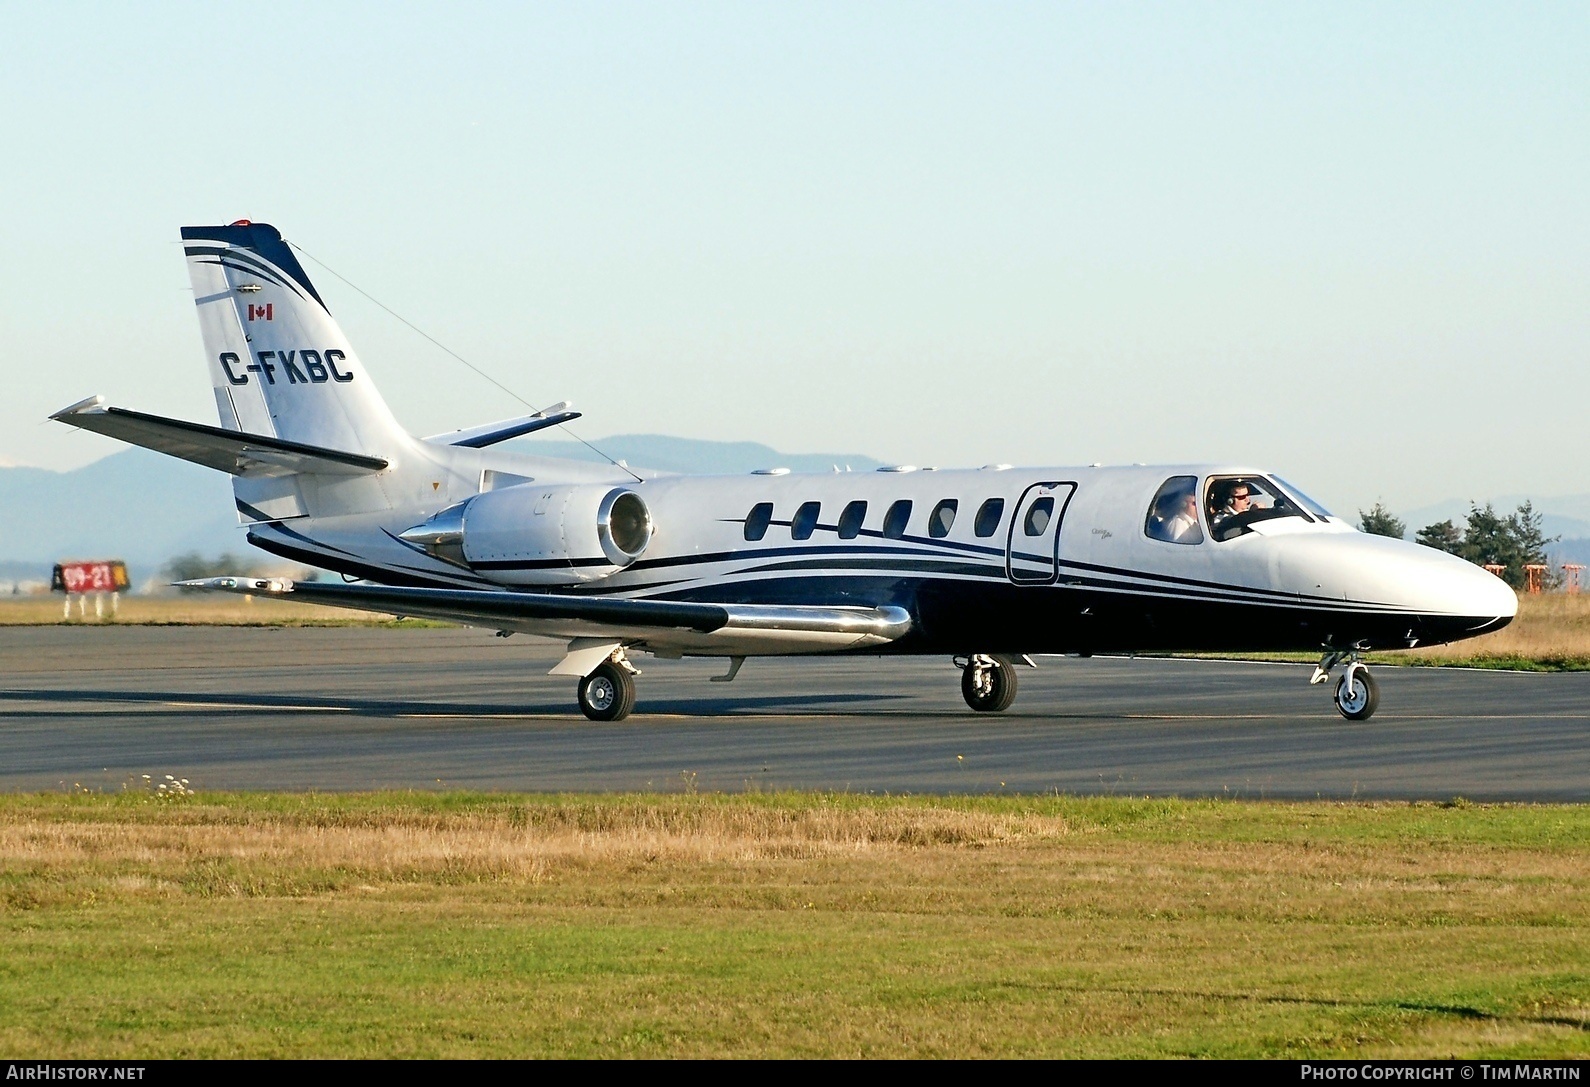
x,y
788,924
189,609
1551,634
1552,631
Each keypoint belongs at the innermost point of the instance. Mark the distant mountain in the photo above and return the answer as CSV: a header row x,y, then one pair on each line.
x,y
693,455
136,505
1567,516
144,508
1564,516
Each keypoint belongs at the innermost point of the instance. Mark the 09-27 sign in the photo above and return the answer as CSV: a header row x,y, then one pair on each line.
x,y
89,577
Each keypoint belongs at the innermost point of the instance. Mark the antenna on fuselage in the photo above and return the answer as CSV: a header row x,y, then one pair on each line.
x,y
448,350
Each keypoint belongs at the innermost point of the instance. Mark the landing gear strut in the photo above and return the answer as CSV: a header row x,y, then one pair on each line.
x,y
608,693
988,683
1357,693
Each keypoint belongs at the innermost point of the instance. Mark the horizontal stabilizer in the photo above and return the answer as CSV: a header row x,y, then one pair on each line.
x,y
481,436
230,451
671,626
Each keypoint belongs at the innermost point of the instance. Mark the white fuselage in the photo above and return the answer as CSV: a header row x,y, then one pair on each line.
x,y
1089,578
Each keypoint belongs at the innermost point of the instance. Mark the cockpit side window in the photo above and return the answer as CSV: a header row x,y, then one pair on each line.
x,y
1173,514
1235,503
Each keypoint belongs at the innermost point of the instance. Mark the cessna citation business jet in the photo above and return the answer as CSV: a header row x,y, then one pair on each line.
x,y
986,566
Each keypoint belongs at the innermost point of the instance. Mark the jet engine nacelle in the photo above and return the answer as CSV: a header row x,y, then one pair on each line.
x,y
535,535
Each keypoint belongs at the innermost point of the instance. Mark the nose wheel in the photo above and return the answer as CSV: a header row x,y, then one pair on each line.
x,y
988,683
1357,693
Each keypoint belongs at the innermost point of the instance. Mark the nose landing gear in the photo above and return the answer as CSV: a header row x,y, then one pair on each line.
x,y
988,683
1357,693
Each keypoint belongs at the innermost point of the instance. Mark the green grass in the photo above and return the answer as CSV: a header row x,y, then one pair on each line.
x,y
789,924
1506,662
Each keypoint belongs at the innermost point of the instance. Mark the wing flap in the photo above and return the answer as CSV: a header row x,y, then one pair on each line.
x,y
672,625
234,452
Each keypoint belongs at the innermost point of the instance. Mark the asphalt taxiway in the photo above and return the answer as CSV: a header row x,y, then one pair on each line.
x,y
362,708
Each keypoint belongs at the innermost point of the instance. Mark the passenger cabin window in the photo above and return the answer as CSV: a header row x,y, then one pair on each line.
x,y
1038,515
989,514
1234,504
757,520
1173,515
942,519
896,519
805,519
850,520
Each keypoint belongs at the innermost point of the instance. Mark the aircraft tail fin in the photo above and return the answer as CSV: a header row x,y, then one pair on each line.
x,y
279,363
283,370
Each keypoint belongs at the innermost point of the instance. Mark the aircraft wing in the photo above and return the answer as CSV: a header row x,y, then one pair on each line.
x,y
231,451
665,627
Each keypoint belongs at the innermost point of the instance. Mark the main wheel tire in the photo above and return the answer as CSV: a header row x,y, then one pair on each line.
x,y
607,694
992,689
1357,695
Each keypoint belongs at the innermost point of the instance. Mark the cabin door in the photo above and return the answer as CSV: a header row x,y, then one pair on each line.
x,y
1032,549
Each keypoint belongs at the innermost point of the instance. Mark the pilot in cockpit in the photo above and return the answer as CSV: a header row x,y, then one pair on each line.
x,y
1230,498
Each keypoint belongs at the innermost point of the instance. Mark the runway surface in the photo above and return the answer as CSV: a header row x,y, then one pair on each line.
x,y
352,709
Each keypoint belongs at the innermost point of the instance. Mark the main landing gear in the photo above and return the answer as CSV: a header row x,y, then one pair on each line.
x,y
988,682
1357,693
608,693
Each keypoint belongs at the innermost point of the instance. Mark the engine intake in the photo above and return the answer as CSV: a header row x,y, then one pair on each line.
x,y
623,526
536,535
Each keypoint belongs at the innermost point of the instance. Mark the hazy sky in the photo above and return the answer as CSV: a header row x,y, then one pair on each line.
x,y
1349,242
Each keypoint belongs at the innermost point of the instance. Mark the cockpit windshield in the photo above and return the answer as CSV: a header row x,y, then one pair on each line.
x,y
1305,501
1235,503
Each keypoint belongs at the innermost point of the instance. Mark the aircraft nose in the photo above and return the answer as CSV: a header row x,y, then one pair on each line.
x,y
1450,597
1459,599
1487,595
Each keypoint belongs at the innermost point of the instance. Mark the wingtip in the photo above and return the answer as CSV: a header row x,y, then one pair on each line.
x,y
86,404
233,584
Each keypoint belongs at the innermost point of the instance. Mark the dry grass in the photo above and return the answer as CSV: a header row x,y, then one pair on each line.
x,y
190,609
789,924
509,843
1551,627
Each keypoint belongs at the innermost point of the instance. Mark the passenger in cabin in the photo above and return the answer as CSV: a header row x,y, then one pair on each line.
x,y
1173,515
1183,525
1160,517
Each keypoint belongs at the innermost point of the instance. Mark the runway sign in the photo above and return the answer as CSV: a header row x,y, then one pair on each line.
x,y
90,577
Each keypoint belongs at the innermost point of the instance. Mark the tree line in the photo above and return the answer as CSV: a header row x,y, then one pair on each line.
x,y
1485,538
